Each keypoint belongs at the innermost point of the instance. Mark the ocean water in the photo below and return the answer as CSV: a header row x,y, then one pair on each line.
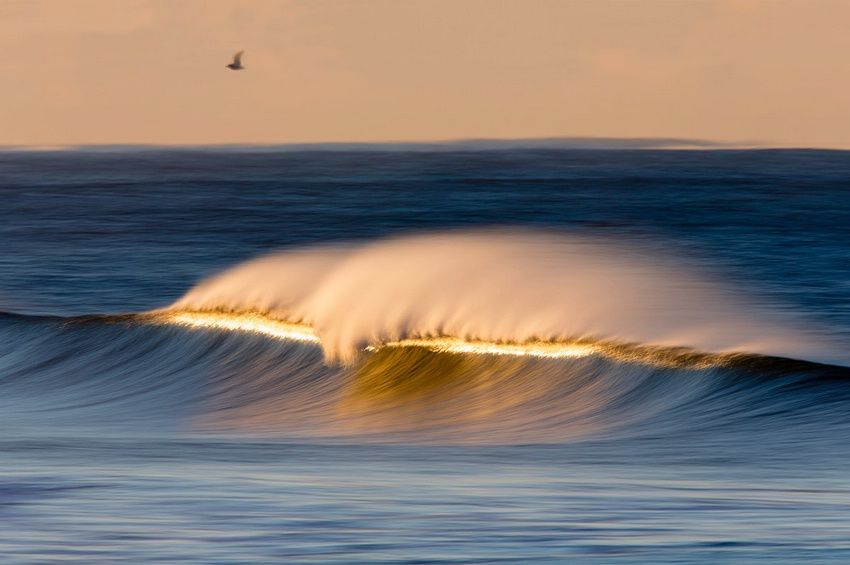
x,y
424,355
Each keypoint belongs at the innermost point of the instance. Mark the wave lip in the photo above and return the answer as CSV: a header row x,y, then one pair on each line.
x,y
250,322
547,350
256,323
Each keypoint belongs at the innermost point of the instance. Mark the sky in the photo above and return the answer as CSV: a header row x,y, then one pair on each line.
x,y
774,72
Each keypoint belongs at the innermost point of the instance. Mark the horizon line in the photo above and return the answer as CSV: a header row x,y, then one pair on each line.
x,y
476,144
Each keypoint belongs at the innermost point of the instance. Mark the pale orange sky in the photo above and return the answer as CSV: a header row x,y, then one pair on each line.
x,y
152,71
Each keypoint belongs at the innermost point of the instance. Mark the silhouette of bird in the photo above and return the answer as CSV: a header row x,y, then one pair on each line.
x,y
236,65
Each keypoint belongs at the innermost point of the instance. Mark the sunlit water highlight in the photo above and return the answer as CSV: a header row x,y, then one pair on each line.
x,y
244,322
533,349
252,322
257,323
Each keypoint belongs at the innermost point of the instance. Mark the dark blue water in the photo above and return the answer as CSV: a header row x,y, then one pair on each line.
x,y
137,442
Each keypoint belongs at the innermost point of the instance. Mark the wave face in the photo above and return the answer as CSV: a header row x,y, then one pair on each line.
x,y
501,287
134,373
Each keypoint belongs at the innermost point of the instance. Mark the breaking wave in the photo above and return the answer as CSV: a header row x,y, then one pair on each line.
x,y
488,337
500,287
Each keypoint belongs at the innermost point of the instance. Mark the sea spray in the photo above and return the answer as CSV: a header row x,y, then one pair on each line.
x,y
502,287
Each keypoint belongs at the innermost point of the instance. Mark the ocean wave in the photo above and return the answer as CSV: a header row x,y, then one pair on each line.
x,y
486,337
502,287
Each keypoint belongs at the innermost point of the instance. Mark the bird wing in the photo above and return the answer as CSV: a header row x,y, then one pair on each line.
x,y
237,58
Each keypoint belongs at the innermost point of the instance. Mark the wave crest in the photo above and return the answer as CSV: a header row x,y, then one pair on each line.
x,y
500,287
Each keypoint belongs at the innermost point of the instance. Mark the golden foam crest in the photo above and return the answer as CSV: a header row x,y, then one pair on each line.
x,y
532,349
264,325
254,322
245,322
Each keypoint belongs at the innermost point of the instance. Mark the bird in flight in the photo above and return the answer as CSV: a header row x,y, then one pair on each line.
x,y
236,65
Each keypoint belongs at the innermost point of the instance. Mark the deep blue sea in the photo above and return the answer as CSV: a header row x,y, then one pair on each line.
x,y
507,355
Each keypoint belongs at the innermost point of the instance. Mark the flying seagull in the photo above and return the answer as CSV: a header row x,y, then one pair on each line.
x,y
236,65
